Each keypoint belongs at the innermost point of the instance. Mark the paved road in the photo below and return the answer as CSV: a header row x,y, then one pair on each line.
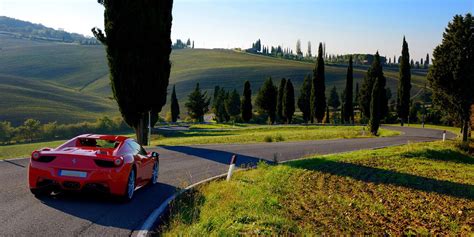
x,y
21,214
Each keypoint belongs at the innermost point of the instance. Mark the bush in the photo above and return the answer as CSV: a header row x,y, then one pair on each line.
x,y
279,138
268,139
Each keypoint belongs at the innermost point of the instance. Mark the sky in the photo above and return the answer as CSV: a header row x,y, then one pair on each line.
x,y
346,26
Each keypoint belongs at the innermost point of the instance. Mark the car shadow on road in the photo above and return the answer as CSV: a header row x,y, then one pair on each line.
x,y
105,210
222,157
382,176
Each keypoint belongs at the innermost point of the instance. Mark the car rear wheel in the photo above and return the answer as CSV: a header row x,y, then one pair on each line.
x,y
130,189
154,176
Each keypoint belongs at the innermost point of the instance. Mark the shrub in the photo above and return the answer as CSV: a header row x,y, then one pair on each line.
x,y
279,138
268,139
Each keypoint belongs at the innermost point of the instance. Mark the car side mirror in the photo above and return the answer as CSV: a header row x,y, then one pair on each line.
x,y
155,155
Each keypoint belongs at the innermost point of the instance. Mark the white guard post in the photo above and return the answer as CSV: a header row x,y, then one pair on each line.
x,y
444,135
231,167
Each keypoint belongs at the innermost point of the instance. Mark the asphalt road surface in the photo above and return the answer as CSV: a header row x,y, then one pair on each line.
x,y
21,214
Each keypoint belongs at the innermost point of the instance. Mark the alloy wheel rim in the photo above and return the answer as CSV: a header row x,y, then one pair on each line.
x,y
155,173
131,184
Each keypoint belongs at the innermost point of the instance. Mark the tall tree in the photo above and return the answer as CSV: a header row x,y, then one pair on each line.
x,y
348,111
404,84
247,103
356,96
452,71
281,91
304,100
138,58
220,111
327,117
289,101
266,99
197,104
427,61
365,93
310,55
334,101
232,105
298,48
174,106
375,104
318,89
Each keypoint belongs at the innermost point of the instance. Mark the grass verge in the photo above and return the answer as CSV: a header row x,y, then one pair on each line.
x,y
454,130
24,150
413,189
204,134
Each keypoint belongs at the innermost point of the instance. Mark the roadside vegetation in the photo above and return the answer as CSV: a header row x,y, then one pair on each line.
x,y
25,150
415,189
221,134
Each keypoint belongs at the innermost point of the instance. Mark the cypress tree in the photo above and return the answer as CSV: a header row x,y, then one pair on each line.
x,y
452,71
197,104
247,103
348,111
404,85
267,99
318,89
378,98
327,118
304,100
289,101
217,89
232,105
356,97
281,91
334,101
134,65
174,106
365,94
220,109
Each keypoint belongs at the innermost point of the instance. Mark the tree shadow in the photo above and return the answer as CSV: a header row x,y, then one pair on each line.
x,y
442,155
381,176
106,210
218,156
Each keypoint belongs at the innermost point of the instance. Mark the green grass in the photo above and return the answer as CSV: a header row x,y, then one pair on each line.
x,y
420,189
438,127
54,78
227,134
25,150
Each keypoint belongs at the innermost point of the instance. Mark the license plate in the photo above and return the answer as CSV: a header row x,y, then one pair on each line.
x,y
72,173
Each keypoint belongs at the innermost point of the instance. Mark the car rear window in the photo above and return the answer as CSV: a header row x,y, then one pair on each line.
x,y
100,143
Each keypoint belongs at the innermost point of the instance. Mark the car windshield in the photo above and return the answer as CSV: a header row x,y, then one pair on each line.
x,y
100,143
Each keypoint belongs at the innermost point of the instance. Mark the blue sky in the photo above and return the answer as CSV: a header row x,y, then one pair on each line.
x,y
346,26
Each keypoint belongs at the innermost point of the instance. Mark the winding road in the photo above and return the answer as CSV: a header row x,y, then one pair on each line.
x,y
21,214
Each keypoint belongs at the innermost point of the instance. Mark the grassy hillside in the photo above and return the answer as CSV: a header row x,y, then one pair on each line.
x,y
75,84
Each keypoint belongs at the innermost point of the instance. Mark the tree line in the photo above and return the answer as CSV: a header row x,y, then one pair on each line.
x,y
33,130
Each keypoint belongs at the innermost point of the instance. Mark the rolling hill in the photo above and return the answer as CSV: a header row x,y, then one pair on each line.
x,y
68,82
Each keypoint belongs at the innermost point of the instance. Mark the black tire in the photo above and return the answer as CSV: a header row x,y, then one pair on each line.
x,y
39,192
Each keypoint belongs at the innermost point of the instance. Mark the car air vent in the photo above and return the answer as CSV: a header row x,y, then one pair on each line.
x,y
104,163
46,159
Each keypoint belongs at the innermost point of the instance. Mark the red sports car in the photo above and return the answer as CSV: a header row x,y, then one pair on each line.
x,y
114,164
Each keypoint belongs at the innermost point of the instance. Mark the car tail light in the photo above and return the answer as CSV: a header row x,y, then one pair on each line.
x,y
118,161
35,155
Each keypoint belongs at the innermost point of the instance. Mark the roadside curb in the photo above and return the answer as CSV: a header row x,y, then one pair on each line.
x,y
145,229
